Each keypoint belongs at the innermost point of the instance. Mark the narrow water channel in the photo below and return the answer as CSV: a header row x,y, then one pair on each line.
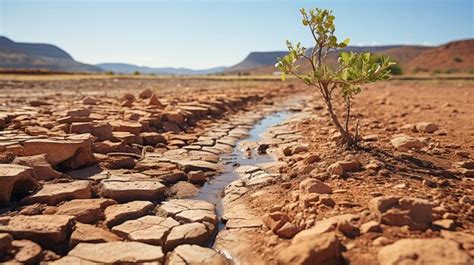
x,y
213,189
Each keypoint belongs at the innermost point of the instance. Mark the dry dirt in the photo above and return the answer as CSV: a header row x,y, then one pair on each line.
x,y
106,170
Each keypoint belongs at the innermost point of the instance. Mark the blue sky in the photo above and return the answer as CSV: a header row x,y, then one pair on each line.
x,y
202,34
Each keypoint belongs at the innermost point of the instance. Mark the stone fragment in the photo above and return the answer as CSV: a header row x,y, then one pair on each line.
x,y
314,186
118,253
446,224
124,191
196,176
85,233
42,169
426,127
54,193
147,93
323,249
148,229
196,255
26,252
371,226
85,210
119,213
50,231
15,179
5,242
194,165
406,142
152,138
192,233
288,230
423,251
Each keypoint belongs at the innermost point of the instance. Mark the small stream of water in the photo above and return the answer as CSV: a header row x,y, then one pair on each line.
x,y
213,189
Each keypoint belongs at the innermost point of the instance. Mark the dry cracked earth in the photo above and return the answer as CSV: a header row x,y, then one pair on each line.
x,y
183,171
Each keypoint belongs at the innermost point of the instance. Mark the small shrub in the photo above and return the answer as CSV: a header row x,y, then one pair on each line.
x,y
136,73
355,69
457,60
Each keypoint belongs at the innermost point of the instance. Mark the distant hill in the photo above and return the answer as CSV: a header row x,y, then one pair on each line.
x,y
256,59
17,55
122,68
454,56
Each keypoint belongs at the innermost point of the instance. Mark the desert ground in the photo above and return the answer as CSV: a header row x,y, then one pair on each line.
x,y
111,170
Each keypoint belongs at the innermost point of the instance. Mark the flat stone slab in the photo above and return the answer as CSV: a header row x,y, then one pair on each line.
x,y
193,165
12,174
54,193
85,210
148,229
193,233
117,253
124,191
189,211
119,213
50,231
85,233
193,254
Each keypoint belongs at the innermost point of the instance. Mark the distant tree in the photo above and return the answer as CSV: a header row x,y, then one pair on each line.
x,y
109,73
136,73
354,69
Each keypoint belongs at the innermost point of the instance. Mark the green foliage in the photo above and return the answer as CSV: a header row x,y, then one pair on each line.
x,y
354,70
136,73
109,73
395,68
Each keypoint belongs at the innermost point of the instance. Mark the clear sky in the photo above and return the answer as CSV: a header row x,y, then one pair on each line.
x,y
202,34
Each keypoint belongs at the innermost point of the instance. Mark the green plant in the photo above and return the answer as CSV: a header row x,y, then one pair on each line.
x,y
136,73
395,68
109,73
353,71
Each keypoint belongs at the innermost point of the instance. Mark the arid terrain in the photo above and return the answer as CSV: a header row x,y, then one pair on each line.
x,y
233,171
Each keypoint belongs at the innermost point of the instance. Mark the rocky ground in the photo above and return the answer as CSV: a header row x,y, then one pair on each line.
x,y
108,171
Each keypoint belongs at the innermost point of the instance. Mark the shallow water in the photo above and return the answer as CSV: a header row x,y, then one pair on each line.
x,y
213,189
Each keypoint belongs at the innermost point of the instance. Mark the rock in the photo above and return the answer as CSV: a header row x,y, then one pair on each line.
x,y
71,154
371,226
197,176
189,211
326,225
155,102
87,210
125,191
117,253
423,251
275,220
426,127
323,249
42,169
446,224
194,165
381,241
54,193
89,101
148,229
26,252
84,233
50,231
406,142
152,138
119,213
288,230
196,255
336,169
466,240
5,242
15,179
192,233
413,212
147,93
314,186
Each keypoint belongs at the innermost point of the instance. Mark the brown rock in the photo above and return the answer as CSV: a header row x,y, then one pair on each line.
x,y
405,141
84,233
196,255
148,229
275,220
87,210
15,179
155,102
54,193
50,231
426,127
119,213
192,233
314,186
147,93
26,252
124,191
323,249
423,251
446,224
288,230
371,226
42,169
196,176
5,242
118,253
152,138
